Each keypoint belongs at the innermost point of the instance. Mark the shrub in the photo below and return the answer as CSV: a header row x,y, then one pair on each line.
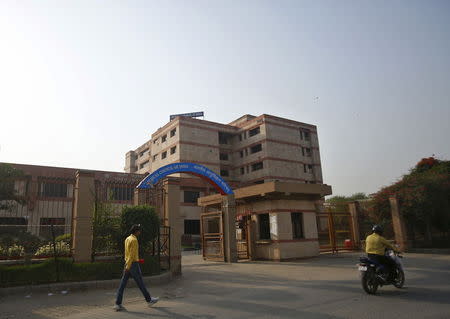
x,y
45,272
66,237
62,249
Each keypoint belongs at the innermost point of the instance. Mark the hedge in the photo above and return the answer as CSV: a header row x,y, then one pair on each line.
x,y
45,272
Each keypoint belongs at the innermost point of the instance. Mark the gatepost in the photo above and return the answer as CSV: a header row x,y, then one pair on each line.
x,y
82,216
398,223
229,219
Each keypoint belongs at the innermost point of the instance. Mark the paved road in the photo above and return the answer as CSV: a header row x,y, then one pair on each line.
x,y
324,287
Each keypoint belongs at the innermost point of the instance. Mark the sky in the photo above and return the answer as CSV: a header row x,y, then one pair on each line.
x,y
83,82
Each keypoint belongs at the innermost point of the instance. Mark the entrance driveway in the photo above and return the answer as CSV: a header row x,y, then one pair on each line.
x,y
323,287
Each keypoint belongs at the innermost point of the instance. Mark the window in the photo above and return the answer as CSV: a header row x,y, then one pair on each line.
x,y
13,224
143,164
307,168
256,149
297,225
305,135
240,137
247,169
223,156
242,170
121,193
53,190
192,226
164,138
164,155
223,138
257,166
155,140
264,226
173,132
143,152
155,157
241,154
254,132
246,152
259,182
191,196
306,151
224,172
45,228
173,150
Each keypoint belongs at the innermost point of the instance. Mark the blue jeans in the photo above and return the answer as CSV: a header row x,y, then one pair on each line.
x,y
135,272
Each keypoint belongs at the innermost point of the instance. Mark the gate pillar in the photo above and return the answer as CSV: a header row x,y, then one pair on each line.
x,y
229,220
172,211
354,213
398,223
82,216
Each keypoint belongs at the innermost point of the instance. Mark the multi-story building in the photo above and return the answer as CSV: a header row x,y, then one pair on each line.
x,y
249,150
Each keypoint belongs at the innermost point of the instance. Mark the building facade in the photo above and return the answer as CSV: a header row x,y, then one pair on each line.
x,y
250,150
48,193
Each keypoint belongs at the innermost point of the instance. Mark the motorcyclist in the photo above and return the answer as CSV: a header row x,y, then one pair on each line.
x,y
375,249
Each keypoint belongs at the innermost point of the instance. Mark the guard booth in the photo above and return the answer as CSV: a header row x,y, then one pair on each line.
x,y
273,221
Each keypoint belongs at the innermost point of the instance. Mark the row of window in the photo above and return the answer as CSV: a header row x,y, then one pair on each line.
x,y
245,169
297,226
250,133
173,150
164,137
306,151
224,138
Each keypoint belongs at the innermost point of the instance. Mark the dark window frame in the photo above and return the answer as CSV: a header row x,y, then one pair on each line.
x,y
173,132
223,156
192,226
257,166
190,196
164,155
298,225
173,150
256,148
254,131
264,226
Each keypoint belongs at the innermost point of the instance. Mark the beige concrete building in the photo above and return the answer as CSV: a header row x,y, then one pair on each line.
x,y
247,151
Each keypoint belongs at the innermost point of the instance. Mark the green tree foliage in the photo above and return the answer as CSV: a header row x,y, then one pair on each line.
x,y
339,203
424,196
8,195
147,217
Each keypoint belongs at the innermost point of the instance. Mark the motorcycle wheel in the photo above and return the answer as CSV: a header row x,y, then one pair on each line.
x,y
369,282
399,280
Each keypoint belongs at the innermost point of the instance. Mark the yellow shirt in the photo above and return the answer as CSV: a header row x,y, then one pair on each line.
x,y
131,251
375,244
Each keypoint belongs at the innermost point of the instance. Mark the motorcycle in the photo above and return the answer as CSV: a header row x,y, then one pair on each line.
x,y
371,273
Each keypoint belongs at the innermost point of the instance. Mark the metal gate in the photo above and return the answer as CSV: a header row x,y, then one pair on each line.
x,y
242,237
212,236
335,231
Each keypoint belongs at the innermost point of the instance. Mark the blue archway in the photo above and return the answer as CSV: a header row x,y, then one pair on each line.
x,y
190,168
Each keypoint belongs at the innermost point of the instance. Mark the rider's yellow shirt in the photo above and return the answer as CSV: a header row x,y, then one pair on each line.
x,y
376,244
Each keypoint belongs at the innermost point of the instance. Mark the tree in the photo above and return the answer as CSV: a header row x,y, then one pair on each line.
x,y
8,195
339,203
424,196
147,217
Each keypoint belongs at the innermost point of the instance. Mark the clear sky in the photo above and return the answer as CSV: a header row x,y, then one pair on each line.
x,y
83,82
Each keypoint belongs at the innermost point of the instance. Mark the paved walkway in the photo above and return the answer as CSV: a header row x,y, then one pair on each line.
x,y
325,287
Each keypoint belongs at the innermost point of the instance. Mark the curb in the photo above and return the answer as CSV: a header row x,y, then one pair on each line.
x,y
438,251
56,288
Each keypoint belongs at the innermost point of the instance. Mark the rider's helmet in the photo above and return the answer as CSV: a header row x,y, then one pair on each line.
x,y
377,229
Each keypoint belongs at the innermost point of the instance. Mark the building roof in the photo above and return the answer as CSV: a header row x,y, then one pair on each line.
x,y
272,190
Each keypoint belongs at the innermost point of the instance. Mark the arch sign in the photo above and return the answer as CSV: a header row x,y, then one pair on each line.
x,y
189,168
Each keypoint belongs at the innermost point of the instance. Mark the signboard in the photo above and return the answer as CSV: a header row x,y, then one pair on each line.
x,y
195,169
194,114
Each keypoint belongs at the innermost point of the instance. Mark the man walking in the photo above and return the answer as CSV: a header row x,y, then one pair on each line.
x,y
133,269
